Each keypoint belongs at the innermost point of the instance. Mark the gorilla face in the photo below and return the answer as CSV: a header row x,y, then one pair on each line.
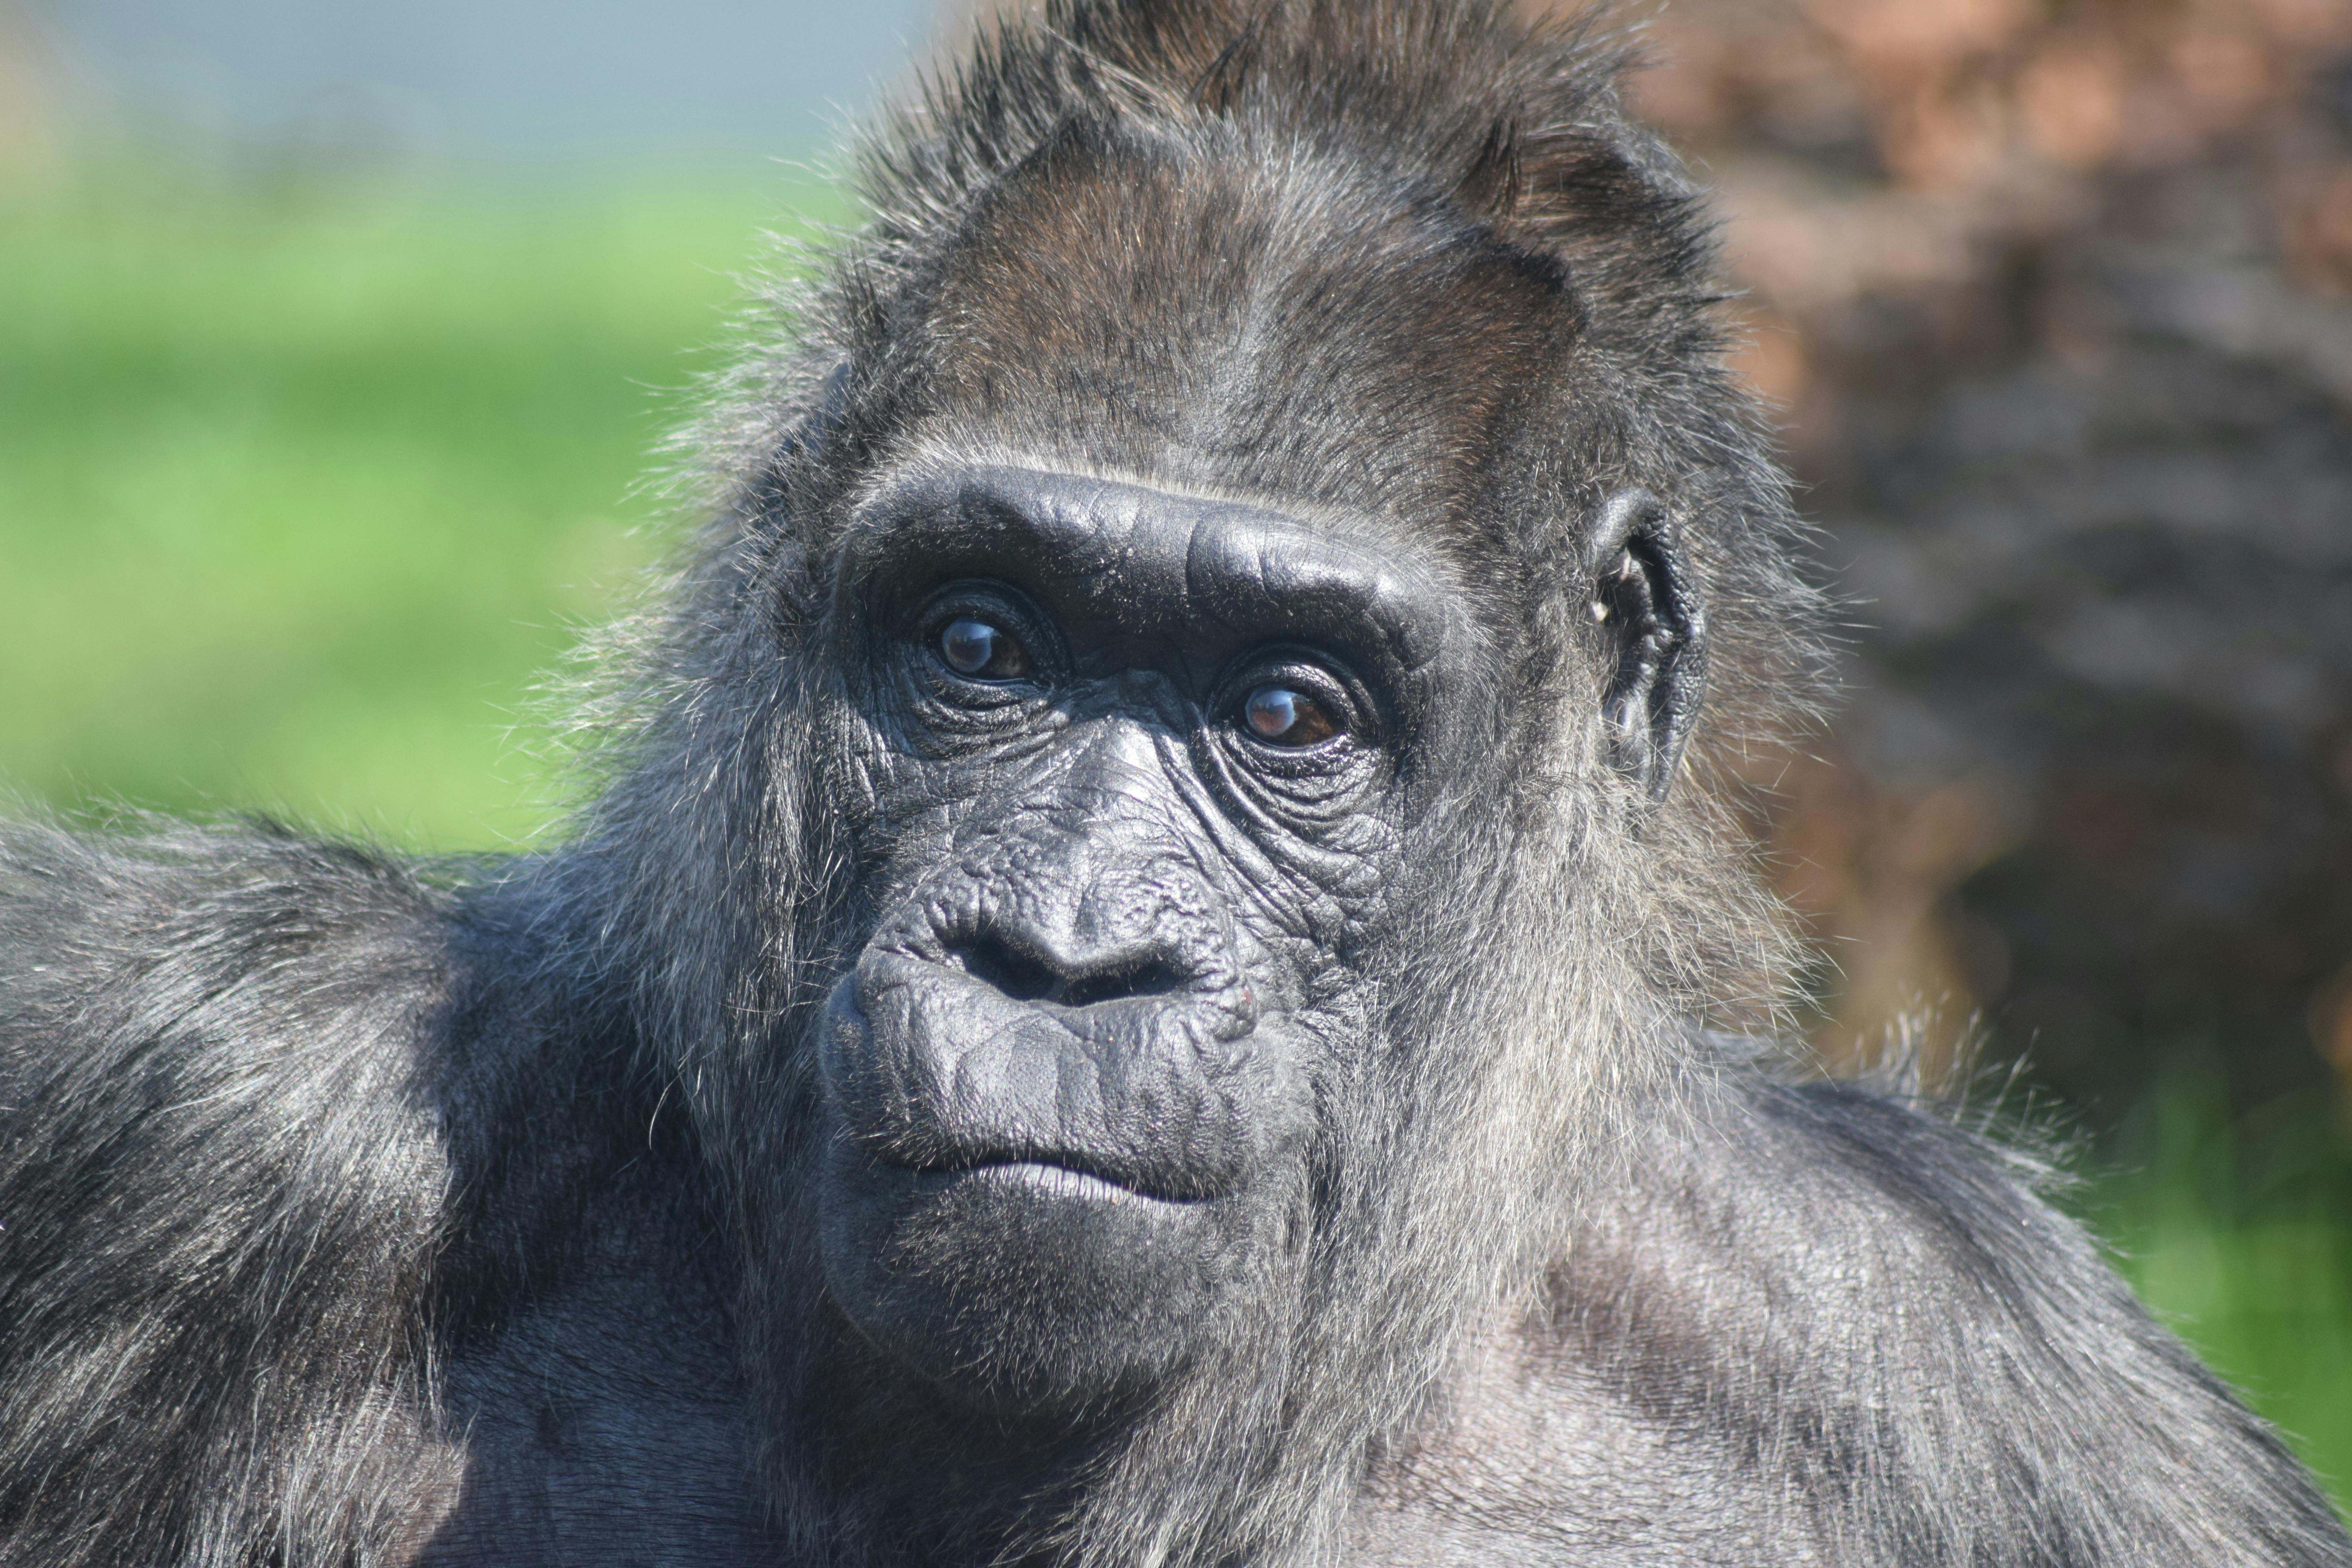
x,y
1141,774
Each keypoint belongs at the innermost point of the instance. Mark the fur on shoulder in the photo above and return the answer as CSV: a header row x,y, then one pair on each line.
x,y
221,1185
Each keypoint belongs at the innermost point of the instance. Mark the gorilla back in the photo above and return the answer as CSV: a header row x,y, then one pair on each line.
x,y
1158,976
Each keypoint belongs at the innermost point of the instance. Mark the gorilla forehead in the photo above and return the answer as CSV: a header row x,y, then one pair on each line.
x,y
1210,310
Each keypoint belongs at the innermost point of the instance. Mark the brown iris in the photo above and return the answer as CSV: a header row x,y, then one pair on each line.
x,y
983,652
1284,716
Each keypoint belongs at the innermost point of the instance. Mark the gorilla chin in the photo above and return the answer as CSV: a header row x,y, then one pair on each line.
x,y
1010,1181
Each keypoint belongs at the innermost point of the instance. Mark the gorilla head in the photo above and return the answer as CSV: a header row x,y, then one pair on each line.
x,y
1195,686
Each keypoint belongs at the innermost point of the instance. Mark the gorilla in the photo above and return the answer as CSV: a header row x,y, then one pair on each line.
x,y
1157,972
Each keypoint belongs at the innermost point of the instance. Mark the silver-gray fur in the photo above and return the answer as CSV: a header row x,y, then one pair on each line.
x,y
510,1211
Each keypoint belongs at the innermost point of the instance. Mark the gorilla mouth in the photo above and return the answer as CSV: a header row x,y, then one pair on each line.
x,y
1063,1173
950,1081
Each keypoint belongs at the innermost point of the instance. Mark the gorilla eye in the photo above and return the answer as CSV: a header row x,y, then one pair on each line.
x,y
981,651
1284,716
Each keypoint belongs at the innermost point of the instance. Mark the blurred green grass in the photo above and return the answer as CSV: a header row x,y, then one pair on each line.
x,y
302,486
2234,1230
303,483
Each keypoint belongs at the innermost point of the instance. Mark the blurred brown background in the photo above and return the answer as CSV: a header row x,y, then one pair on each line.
x,y
2056,301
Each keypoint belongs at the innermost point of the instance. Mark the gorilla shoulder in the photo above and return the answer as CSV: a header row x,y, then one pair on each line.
x,y
221,1174
223,973
1674,1365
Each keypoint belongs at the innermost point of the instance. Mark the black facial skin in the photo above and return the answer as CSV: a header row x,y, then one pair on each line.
x,y
1137,786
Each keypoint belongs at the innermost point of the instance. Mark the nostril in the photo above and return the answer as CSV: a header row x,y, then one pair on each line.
x,y
1146,977
987,959
1022,976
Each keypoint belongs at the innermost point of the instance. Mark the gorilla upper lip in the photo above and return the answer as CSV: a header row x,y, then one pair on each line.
x,y
936,1074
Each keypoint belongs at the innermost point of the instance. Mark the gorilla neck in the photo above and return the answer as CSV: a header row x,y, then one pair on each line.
x,y
1189,1474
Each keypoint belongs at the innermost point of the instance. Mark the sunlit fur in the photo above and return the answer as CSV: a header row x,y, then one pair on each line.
x,y
287,1121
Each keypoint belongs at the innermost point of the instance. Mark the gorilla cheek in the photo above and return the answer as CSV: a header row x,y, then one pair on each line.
x,y
1022,1287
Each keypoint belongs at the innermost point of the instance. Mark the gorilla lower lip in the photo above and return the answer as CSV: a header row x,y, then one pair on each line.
x,y
1070,1182
1066,1179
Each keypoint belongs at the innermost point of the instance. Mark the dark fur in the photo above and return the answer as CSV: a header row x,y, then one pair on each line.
x,y
362,1213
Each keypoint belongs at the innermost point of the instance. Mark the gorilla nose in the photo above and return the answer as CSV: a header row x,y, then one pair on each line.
x,y
1026,969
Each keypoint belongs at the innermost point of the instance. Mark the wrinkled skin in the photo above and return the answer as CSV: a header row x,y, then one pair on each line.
x,y
1151,796
1118,935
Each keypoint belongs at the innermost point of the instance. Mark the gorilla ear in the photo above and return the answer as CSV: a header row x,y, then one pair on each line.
x,y
1645,601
